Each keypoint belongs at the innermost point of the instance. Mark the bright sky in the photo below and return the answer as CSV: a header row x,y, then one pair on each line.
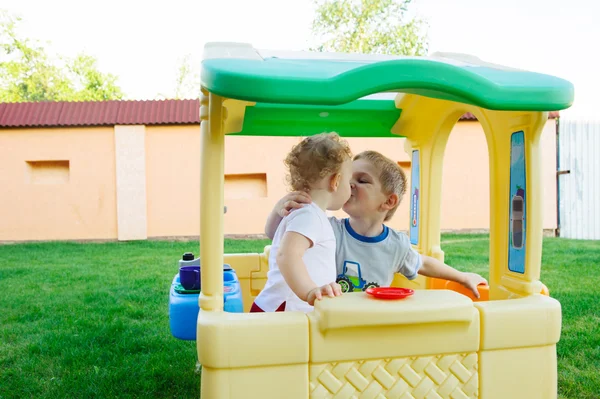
x,y
142,42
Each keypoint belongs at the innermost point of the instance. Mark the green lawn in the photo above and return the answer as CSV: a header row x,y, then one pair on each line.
x,y
91,321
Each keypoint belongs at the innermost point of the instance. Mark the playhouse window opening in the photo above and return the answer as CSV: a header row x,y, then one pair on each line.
x,y
465,195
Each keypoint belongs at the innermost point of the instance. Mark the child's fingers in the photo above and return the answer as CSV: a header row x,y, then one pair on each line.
x,y
331,290
328,290
313,296
337,289
473,286
291,205
479,280
301,196
295,205
318,294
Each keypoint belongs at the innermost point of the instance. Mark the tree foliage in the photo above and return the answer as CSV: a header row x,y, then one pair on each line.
x,y
353,26
369,26
187,83
27,72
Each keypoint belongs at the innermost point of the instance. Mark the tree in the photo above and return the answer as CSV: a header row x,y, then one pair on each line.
x,y
353,26
28,74
187,84
90,83
369,26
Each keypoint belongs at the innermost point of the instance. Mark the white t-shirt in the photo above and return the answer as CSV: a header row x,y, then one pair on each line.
x,y
311,222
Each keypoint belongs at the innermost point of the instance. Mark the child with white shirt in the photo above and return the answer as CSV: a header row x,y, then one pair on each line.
x,y
302,266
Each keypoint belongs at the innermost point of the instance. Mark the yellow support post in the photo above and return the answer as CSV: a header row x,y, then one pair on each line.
x,y
212,117
429,135
499,126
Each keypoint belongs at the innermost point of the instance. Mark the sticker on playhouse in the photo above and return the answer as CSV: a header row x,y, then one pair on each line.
x,y
517,205
414,200
414,207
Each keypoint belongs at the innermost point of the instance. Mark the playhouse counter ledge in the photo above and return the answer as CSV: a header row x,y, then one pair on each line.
x,y
428,322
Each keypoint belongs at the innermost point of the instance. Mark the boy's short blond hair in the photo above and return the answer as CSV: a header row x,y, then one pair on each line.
x,y
314,158
391,176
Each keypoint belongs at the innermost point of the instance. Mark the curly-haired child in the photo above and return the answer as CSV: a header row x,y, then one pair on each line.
x,y
302,264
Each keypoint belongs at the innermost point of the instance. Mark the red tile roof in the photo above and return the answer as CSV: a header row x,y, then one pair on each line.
x,y
107,113
100,113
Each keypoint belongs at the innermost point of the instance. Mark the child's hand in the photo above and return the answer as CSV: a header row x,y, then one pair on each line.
x,y
331,290
471,281
293,200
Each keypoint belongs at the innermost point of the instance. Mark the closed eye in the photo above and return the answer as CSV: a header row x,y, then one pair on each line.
x,y
363,178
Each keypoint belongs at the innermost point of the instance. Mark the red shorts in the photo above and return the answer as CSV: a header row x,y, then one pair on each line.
x,y
256,309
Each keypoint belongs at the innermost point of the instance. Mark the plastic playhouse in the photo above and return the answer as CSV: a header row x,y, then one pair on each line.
x,y
437,343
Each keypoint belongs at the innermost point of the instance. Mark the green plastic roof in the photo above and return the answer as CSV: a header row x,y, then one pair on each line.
x,y
339,80
360,118
302,93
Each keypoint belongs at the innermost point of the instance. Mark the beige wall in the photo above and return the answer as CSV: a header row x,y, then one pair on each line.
x,y
85,206
130,158
173,180
43,200
465,193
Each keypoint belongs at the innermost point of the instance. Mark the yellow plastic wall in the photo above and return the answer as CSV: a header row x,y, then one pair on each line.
x,y
518,348
258,355
251,270
435,344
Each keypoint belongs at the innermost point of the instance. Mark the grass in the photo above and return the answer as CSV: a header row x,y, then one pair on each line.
x,y
91,320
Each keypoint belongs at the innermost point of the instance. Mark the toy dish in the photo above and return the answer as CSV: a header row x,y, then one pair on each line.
x,y
390,292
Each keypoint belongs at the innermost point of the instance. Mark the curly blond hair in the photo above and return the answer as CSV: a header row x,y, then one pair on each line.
x,y
314,158
391,176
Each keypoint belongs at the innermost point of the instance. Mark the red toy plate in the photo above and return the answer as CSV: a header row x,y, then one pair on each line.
x,y
389,292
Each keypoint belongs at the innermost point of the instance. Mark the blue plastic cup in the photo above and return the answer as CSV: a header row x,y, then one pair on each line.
x,y
189,277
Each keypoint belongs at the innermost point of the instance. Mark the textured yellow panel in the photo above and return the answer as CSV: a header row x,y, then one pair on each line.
x,y
245,265
276,382
430,377
523,373
531,321
251,269
236,340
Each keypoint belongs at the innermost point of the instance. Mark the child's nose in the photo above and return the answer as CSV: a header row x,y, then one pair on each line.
x,y
352,185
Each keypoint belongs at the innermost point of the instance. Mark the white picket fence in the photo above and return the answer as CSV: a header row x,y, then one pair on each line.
x,y
579,179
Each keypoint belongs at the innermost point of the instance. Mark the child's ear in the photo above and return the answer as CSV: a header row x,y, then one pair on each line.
x,y
334,181
391,202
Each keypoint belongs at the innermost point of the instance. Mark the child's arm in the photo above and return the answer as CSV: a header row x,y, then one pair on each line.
x,y
432,267
292,267
282,208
